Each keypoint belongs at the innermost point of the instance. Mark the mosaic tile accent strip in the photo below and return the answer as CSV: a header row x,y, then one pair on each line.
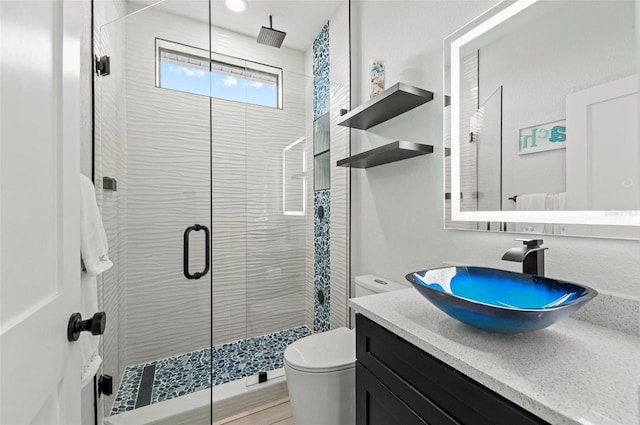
x,y
128,392
322,261
321,199
187,373
181,375
321,82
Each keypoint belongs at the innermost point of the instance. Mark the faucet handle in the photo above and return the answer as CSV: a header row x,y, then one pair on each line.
x,y
531,243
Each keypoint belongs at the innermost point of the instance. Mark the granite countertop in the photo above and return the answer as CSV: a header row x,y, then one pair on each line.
x,y
572,372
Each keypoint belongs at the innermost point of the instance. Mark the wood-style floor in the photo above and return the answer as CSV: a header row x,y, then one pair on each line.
x,y
276,413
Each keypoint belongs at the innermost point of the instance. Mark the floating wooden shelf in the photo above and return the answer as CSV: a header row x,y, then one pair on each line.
x,y
392,102
394,151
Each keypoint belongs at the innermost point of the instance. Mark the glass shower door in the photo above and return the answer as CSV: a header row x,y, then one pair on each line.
x,y
187,153
154,140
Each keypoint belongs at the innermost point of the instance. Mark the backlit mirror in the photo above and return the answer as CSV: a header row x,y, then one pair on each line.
x,y
543,120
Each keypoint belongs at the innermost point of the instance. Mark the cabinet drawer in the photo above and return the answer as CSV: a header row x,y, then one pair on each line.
x,y
397,363
376,405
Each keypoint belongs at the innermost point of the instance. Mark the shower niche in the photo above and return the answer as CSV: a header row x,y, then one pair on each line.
x,y
322,153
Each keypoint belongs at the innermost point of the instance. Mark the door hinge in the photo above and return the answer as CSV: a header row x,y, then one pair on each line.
x,y
109,183
105,385
103,66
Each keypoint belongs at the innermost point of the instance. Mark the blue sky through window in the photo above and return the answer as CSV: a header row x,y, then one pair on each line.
x,y
219,85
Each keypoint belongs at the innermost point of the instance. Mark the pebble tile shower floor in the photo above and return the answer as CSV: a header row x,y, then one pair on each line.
x,y
188,373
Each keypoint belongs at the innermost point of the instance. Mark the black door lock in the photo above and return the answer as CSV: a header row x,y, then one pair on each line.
x,y
95,325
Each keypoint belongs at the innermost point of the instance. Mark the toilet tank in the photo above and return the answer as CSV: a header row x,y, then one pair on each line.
x,y
371,284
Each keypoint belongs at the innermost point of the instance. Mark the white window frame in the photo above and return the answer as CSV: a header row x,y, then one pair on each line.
x,y
211,61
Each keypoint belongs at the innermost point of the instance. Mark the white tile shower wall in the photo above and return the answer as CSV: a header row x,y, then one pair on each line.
x,y
86,77
275,242
309,218
339,99
397,208
273,257
110,160
257,252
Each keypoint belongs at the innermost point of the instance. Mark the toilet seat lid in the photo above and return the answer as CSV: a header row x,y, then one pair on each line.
x,y
323,352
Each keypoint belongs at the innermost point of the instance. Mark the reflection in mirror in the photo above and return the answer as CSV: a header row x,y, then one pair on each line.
x,y
485,143
486,126
545,119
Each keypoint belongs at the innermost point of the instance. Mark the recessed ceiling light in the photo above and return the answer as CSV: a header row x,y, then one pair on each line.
x,y
236,5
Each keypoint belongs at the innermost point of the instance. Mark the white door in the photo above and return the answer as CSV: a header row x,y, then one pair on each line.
x,y
602,151
39,211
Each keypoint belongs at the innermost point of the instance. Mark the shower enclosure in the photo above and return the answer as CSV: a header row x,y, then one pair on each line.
x,y
204,169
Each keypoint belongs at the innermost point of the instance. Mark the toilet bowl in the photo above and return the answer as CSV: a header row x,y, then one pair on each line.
x,y
320,368
321,376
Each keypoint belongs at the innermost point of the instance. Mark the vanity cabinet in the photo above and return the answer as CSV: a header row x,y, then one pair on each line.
x,y
398,383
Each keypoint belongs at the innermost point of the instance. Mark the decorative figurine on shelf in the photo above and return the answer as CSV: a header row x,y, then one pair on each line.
x,y
377,73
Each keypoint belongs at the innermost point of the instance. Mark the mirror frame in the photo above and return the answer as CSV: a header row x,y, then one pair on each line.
x,y
609,217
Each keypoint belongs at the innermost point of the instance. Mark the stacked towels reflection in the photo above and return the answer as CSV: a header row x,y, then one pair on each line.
x,y
541,202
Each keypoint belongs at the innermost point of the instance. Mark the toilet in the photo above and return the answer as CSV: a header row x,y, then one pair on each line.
x,y
321,368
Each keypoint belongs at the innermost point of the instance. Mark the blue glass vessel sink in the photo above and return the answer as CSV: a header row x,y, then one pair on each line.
x,y
499,300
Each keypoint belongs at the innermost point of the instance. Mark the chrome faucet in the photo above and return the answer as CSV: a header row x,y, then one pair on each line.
x,y
531,255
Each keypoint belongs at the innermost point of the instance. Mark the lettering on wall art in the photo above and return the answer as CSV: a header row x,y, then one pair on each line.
x,y
542,137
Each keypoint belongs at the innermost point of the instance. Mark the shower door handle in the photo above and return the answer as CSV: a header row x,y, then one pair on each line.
x,y
185,249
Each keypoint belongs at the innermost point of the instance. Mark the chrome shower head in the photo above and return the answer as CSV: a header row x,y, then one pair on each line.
x,y
271,37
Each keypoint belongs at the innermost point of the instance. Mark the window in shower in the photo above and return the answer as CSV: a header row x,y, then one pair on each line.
x,y
189,69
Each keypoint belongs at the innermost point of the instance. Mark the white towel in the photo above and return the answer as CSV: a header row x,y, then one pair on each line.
x,y
93,239
531,202
558,202
91,360
94,254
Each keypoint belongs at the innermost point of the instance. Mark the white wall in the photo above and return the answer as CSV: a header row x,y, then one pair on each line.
x,y
397,209
339,98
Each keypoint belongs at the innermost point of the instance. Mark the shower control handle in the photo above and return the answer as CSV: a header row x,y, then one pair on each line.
x,y
95,325
185,253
